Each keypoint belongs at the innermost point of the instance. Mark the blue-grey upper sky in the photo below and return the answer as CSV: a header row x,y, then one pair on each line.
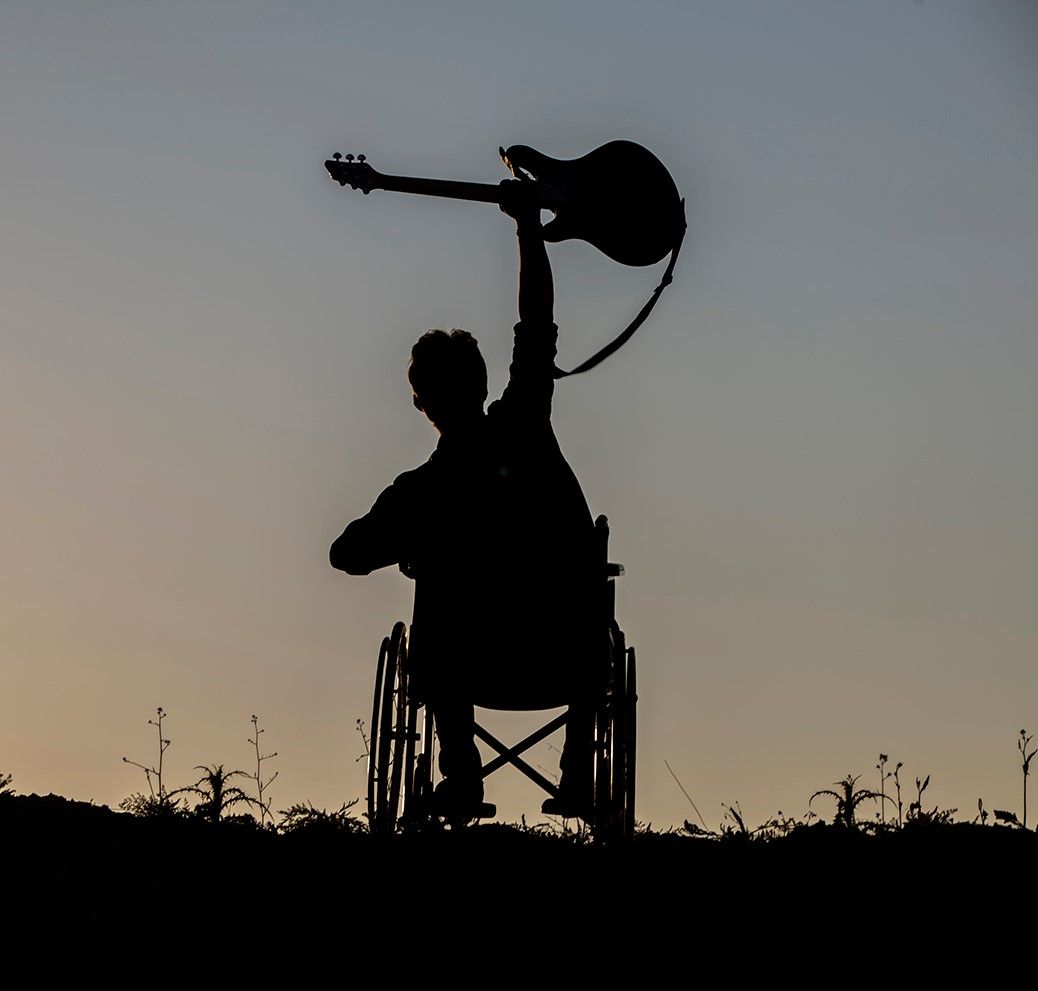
x,y
818,457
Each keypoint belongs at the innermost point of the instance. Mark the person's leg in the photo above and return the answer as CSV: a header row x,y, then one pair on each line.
x,y
460,763
577,763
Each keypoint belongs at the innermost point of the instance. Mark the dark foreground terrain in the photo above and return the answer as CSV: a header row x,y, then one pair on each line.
x,y
821,904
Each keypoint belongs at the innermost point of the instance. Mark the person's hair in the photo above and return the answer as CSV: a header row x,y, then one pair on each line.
x,y
447,373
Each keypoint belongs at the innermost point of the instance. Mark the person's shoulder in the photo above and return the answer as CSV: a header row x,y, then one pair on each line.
x,y
414,477
501,413
405,490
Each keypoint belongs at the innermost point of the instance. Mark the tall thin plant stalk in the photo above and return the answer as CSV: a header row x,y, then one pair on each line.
x,y
897,785
1022,744
685,793
261,785
883,775
161,797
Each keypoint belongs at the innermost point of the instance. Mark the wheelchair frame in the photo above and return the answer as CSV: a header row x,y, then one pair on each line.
x,y
401,748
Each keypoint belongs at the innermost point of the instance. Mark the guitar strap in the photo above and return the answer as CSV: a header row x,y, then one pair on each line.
x,y
628,332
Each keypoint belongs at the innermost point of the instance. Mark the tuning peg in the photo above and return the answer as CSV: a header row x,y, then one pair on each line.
x,y
337,156
362,158
349,158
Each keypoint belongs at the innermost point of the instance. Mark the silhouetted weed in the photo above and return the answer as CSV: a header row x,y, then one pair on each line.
x,y
367,742
897,785
916,814
884,776
554,828
303,817
687,795
981,817
261,785
1022,744
217,797
781,825
1007,818
734,827
159,801
698,832
847,800
574,830
734,824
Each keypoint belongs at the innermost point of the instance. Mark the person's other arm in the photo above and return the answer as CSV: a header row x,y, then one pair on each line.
x,y
374,541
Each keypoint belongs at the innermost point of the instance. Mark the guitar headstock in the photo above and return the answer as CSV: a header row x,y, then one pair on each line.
x,y
347,171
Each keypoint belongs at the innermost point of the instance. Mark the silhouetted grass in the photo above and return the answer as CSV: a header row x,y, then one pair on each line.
x,y
767,898
500,900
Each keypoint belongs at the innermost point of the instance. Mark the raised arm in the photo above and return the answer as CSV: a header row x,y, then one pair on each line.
x,y
531,380
536,290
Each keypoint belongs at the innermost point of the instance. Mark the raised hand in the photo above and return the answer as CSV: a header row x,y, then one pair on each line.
x,y
520,201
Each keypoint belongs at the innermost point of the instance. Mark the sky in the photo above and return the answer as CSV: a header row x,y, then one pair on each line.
x,y
818,457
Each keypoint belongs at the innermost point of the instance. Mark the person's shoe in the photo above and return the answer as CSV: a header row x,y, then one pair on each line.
x,y
460,804
568,807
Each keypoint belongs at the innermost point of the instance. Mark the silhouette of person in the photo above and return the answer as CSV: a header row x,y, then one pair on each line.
x,y
497,533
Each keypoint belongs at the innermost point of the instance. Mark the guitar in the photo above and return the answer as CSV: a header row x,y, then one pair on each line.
x,y
619,197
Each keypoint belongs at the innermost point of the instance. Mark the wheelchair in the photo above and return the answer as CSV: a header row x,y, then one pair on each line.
x,y
401,746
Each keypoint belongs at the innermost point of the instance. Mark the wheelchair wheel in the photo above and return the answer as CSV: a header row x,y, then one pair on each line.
x,y
631,744
389,744
373,739
615,727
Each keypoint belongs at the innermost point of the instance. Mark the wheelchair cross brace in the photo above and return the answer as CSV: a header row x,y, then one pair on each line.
x,y
510,755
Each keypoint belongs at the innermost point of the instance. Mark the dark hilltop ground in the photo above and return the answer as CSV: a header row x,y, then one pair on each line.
x,y
816,903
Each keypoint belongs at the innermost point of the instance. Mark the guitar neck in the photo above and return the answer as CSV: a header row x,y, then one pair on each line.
x,y
362,176
481,192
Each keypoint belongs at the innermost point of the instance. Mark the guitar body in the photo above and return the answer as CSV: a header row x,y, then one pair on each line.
x,y
619,197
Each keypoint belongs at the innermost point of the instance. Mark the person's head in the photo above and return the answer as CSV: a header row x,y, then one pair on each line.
x,y
448,376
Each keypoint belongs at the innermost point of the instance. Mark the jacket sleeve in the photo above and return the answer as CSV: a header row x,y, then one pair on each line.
x,y
531,375
374,541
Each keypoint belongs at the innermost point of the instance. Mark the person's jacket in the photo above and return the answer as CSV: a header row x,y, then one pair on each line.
x,y
497,533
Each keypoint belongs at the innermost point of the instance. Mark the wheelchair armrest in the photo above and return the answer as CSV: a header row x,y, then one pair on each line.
x,y
612,570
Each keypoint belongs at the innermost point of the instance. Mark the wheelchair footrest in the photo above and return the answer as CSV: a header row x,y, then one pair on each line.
x,y
434,805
